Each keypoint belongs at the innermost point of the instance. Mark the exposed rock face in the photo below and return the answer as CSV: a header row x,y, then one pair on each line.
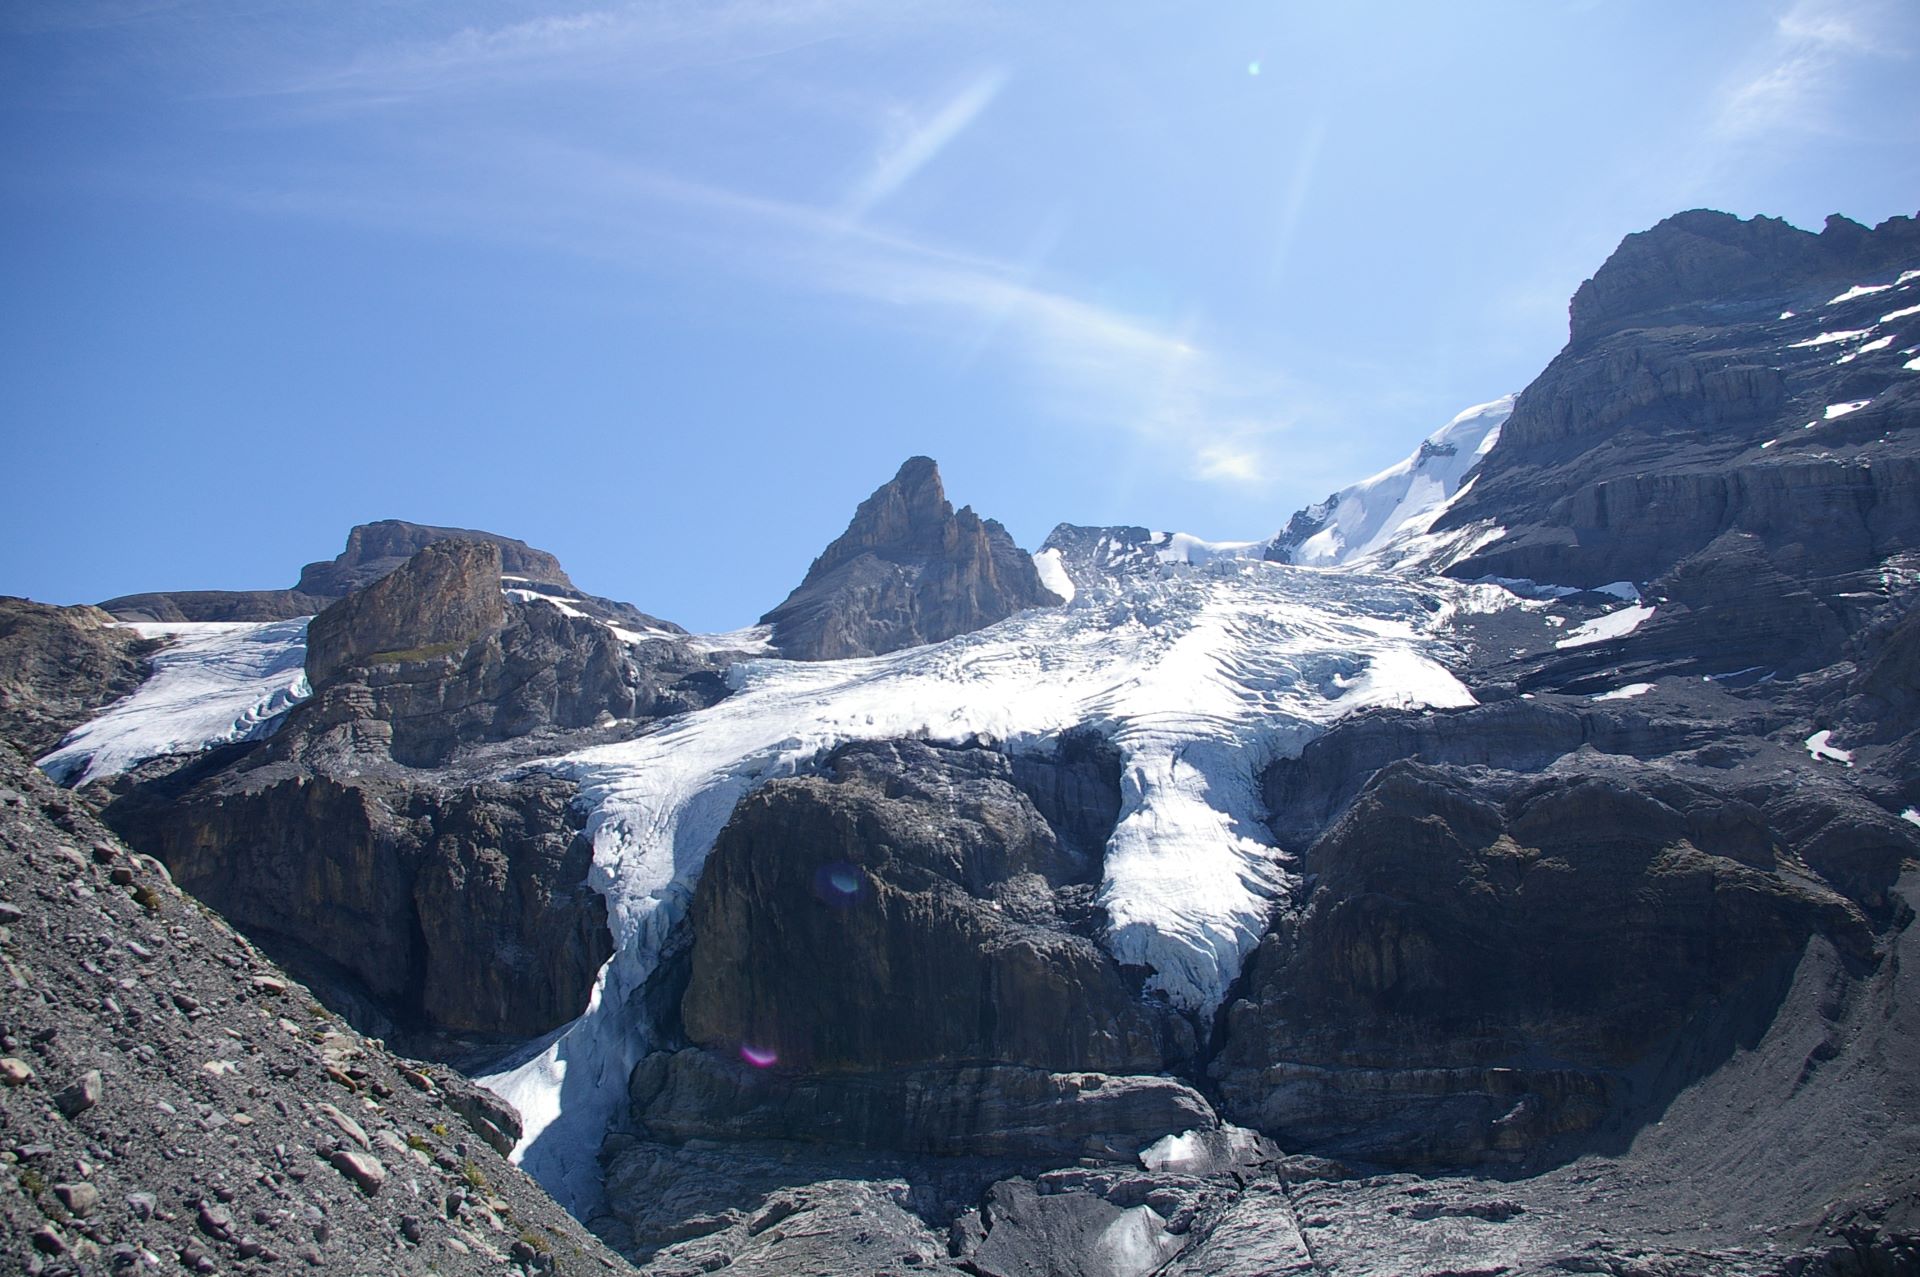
x,y
993,1110
456,909
444,597
215,605
898,954
174,1101
1508,938
58,665
1688,268
432,658
375,549
1725,400
907,570
425,903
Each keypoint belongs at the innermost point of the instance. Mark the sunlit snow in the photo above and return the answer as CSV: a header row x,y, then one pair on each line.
x,y
1626,693
1201,677
1818,747
1827,339
1892,315
1859,290
1404,500
1842,409
214,683
1053,574
1611,626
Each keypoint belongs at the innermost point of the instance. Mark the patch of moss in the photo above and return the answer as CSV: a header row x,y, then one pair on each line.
x,y
409,655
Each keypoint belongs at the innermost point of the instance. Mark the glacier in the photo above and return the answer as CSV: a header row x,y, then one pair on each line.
x,y
215,682
1200,675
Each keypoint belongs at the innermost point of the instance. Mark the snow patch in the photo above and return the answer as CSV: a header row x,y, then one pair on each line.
x,y
1859,290
1053,574
216,682
1182,547
1911,816
1827,339
1611,626
754,640
1403,501
1626,693
1626,591
1819,748
1892,315
1842,409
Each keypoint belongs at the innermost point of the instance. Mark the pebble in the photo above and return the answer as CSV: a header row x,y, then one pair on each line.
x,y
15,1072
363,1170
142,1205
348,1127
82,1199
82,1094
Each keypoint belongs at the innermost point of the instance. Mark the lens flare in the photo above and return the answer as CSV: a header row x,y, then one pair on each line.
x,y
759,1057
839,883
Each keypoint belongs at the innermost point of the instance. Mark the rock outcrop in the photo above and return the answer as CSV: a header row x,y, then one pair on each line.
x,y
426,911
898,953
909,569
431,906
1731,398
58,666
375,549
443,598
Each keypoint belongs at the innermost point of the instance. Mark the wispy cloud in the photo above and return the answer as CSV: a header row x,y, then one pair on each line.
x,y
923,141
631,38
1805,61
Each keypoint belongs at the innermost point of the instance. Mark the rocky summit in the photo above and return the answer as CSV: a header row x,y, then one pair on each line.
x,y
1509,867
908,570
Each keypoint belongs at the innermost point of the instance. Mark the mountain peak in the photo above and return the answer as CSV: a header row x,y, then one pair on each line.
x,y
1690,267
908,570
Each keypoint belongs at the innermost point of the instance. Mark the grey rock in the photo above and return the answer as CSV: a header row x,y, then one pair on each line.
x,y
81,1094
439,600
81,1198
376,549
59,666
907,570
363,1169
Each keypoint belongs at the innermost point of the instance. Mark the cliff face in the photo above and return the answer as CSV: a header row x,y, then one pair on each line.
x,y
373,550
899,953
908,570
428,904
1732,398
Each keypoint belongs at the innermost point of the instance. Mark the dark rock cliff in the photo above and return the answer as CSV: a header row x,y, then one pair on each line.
x,y
373,550
1732,399
909,569
899,953
444,908
58,667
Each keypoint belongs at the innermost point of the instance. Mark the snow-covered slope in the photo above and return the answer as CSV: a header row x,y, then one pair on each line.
x,y
215,682
1200,675
1366,521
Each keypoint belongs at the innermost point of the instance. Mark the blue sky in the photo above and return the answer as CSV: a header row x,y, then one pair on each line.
x,y
667,287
